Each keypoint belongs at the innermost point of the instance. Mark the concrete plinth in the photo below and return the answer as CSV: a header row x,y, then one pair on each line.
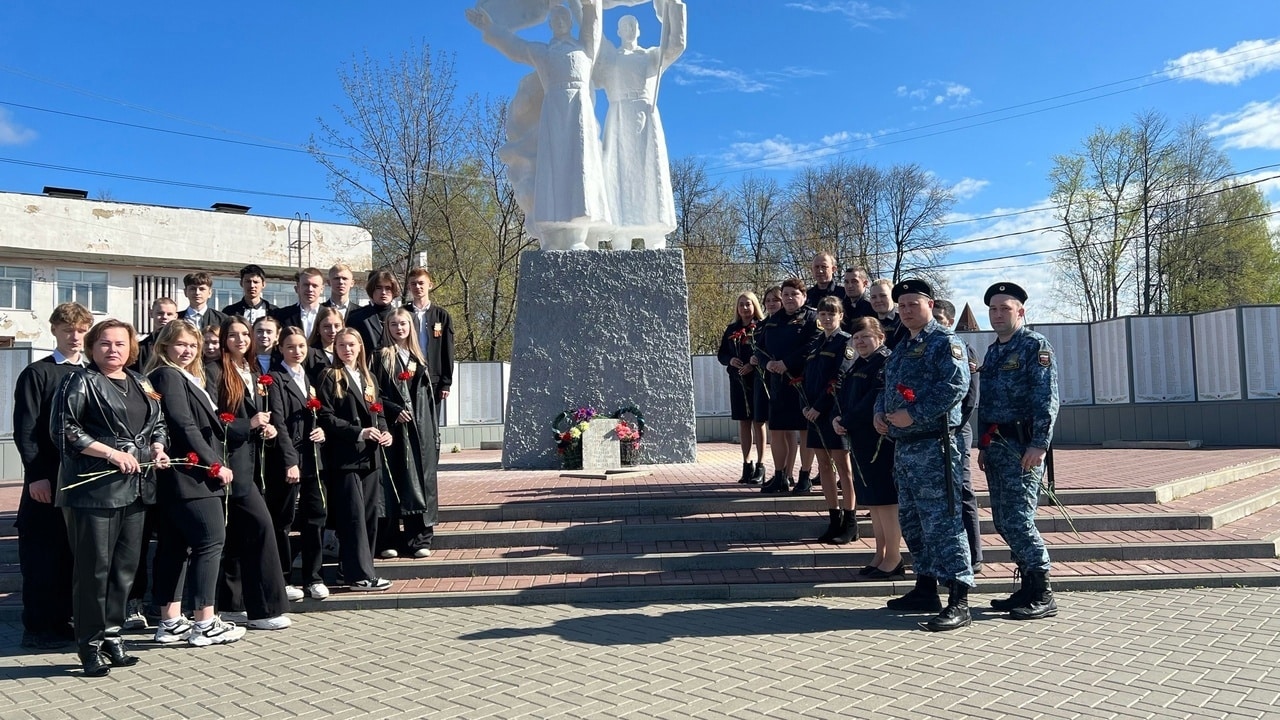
x,y
602,329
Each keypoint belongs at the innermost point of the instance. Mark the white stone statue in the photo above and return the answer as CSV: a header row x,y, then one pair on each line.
x,y
637,174
569,198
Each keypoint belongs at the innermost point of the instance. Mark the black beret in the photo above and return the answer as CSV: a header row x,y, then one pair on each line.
x,y
1005,288
906,287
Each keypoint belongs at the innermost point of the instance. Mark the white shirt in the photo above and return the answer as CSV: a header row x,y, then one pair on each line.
x,y
61,359
299,379
356,380
308,318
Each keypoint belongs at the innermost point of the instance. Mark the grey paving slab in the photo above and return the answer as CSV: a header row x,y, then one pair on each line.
x,y
1148,654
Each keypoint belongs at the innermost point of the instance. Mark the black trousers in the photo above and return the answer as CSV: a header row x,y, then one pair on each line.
x,y
968,500
191,538
415,535
44,556
301,507
353,509
105,543
141,577
251,574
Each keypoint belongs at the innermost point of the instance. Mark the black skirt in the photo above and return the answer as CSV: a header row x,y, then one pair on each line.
x,y
785,405
872,479
743,404
823,437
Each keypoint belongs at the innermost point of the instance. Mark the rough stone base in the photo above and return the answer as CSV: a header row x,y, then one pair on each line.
x,y
606,329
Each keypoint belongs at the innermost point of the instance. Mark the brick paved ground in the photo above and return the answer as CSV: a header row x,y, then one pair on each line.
x,y
1155,654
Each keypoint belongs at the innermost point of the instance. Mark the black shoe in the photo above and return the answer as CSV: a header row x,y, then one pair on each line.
x,y
776,484
747,471
1038,601
897,573
977,567
867,570
118,654
848,529
922,598
1017,599
956,614
758,476
94,665
833,528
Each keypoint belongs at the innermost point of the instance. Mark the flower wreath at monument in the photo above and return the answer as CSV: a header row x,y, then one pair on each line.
x,y
569,426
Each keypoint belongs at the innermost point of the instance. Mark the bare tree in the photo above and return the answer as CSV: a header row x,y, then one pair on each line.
x,y
912,204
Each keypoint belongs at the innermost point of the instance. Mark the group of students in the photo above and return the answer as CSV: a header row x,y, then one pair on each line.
x,y
225,436
809,363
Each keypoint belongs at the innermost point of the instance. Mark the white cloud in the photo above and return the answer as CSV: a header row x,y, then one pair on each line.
x,y
11,133
1269,185
859,14
1017,234
1244,60
968,187
938,93
712,75
1256,125
783,153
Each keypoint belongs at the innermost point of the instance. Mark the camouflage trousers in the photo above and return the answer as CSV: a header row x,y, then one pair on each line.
x,y
929,512
1014,496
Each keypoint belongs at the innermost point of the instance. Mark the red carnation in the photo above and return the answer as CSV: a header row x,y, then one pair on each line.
x,y
227,418
375,408
831,386
406,376
988,436
214,469
266,380
907,393
193,459
313,404
797,380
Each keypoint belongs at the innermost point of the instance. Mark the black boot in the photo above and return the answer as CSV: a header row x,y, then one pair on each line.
x,y
117,653
747,471
803,485
1017,599
956,614
1038,601
758,476
833,529
848,529
94,664
922,598
776,484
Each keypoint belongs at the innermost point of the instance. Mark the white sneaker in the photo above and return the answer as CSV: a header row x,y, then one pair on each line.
x,y
373,585
388,554
422,552
278,622
294,593
218,632
317,591
178,631
133,617
235,617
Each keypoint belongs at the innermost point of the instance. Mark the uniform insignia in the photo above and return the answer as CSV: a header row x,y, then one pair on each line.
x,y
1011,364
917,351
849,353
824,353
1046,358
437,330
956,352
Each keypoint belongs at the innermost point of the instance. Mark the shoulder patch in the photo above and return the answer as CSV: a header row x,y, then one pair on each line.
x,y
956,352
849,352
1045,358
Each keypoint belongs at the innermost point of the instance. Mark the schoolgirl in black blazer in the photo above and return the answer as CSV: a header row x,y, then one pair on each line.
x,y
191,526
355,432
252,576
295,494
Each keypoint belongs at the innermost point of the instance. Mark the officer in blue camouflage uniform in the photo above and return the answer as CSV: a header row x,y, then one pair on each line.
x,y
926,377
1017,405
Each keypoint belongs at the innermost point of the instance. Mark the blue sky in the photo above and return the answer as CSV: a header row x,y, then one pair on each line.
x,y
966,90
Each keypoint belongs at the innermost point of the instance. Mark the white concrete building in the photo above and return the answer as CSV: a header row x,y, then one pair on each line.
x,y
115,258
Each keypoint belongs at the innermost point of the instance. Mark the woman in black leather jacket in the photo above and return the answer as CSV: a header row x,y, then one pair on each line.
x,y
107,419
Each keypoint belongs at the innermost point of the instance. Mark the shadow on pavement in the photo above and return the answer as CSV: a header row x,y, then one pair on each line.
x,y
640,629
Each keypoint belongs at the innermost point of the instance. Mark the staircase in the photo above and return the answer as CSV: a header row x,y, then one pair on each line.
x,y
1129,519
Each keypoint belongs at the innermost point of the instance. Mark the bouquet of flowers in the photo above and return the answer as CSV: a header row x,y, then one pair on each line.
x,y
568,428
629,432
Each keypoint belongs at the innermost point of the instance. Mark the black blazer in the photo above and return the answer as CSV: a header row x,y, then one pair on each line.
x,y
343,419
88,408
290,415
439,347
368,320
315,364
289,315
194,428
211,318
344,308
240,306
146,347
33,405
242,440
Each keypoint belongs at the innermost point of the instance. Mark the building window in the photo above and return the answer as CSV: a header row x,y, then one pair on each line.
x,y
85,287
15,288
227,292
